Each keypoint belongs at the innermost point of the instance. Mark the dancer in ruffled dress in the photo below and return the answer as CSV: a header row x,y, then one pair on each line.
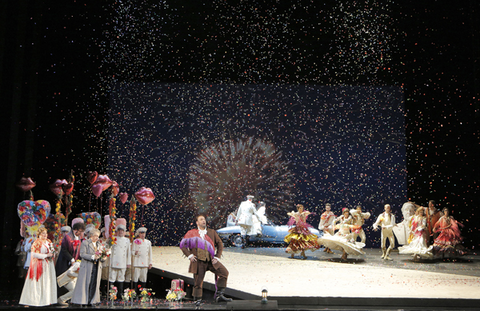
x,y
40,287
300,238
343,239
449,239
326,223
418,246
403,230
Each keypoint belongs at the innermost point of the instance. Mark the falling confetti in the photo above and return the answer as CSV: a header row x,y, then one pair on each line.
x,y
91,52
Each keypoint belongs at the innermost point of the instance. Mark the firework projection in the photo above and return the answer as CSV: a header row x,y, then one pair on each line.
x,y
203,148
222,173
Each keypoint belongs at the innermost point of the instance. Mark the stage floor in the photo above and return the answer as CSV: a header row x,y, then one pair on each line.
x,y
366,276
320,282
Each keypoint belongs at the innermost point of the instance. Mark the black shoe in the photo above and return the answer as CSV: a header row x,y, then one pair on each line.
x,y
197,301
221,298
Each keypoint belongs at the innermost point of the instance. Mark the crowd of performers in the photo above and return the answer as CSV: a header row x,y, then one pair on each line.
x,y
425,232
84,260
203,246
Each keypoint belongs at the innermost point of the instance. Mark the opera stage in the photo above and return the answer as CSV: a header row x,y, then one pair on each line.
x,y
318,283
315,283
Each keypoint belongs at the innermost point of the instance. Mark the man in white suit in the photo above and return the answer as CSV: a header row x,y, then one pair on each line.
x,y
386,221
142,257
68,279
246,211
120,259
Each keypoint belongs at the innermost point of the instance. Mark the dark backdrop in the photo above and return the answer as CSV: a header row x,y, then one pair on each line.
x,y
59,59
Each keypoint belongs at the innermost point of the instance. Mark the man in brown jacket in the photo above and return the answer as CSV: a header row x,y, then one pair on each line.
x,y
199,246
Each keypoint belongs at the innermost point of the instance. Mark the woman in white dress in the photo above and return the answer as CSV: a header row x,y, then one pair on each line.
x,y
343,239
40,288
418,246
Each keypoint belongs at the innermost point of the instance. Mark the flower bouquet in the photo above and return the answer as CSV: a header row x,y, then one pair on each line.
x,y
175,294
102,252
129,295
52,248
145,294
112,293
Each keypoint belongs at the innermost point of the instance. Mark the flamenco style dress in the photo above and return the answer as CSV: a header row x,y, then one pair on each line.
x,y
343,239
418,245
299,237
448,241
40,288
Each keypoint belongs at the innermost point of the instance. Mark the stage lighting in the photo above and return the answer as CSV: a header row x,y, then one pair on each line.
x,y
264,295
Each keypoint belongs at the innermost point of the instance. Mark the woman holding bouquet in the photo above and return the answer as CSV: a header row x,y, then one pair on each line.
x,y
93,254
40,287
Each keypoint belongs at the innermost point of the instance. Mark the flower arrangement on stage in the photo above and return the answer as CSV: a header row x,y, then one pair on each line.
x,y
102,252
91,218
67,189
129,295
112,211
68,203
33,214
112,293
145,294
132,217
175,295
56,238
55,247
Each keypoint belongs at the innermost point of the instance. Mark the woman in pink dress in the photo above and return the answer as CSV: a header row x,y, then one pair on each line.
x,y
449,239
